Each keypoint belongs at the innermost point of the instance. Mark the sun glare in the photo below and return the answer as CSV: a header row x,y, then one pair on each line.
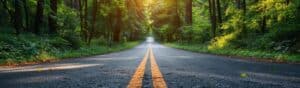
x,y
148,3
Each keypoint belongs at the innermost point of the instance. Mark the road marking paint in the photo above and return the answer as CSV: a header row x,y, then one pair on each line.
x,y
137,79
157,78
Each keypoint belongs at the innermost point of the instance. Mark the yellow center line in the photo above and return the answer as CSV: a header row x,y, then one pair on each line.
x,y
157,78
137,79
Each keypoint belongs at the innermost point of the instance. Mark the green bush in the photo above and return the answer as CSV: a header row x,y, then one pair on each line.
x,y
74,41
16,48
60,43
286,40
68,21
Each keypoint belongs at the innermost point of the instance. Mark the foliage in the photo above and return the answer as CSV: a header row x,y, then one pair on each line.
x,y
29,48
264,55
253,27
43,30
13,48
95,49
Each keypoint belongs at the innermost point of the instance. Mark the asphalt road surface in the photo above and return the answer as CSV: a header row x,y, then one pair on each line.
x,y
152,65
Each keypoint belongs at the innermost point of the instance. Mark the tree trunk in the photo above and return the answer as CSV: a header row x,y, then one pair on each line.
x,y
118,26
83,19
212,10
94,19
17,16
39,16
81,16
52,17
26,12
219,12
87,32
176,23
188,12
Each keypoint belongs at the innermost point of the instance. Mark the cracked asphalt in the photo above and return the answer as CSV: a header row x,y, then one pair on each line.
x,y
180,69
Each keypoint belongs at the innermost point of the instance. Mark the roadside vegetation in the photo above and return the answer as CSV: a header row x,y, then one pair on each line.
x,y
29,49
259,55
266,29
34,31
38,30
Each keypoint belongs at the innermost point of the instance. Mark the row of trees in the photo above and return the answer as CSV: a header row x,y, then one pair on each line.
x,y
223,23
19,15
168,15
113,20
243,20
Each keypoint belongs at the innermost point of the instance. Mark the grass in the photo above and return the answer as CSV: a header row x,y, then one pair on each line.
x,y
96,50
84,51
254,54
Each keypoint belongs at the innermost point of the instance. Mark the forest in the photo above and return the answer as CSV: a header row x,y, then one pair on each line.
x,y
47,30
255,29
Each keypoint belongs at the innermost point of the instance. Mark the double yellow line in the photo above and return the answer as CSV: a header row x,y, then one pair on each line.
x,y
157,78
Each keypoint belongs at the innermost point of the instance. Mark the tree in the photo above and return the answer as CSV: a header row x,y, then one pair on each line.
x,y
188,12
17,16
26,12
52,17
176,23
39,16
218,4
213,17
94,19
83,13
118,26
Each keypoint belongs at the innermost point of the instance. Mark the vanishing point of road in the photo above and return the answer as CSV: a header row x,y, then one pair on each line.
x,y
152,65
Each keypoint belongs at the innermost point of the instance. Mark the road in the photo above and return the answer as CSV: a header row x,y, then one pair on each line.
x,y
152,65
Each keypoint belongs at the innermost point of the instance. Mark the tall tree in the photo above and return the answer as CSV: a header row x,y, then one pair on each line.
x,y
39,16
218,4
188,11
14,13
26,12
83,12
52,17
213,17
17,16
94,19
118,26
176,22
9,11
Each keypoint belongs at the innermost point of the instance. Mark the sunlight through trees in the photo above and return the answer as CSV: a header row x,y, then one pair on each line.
x,y
264,25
